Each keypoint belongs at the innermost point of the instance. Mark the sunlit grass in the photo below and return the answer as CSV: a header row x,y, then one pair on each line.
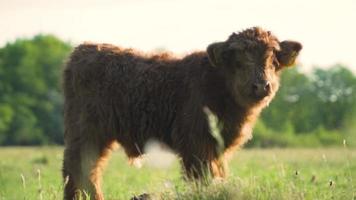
x,y
35,173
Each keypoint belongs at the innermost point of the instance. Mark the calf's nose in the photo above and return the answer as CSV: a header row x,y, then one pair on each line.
x,y
262,89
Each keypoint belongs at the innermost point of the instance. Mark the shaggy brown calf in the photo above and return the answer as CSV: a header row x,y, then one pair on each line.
x,y
118,95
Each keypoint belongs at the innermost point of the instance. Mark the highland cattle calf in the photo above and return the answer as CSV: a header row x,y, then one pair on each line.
x,y
119,95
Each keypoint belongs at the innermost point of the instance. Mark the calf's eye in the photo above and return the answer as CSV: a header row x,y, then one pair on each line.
x,y
275,62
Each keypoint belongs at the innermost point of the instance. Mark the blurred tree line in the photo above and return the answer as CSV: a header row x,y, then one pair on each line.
x,y
312,109
316,109
30,96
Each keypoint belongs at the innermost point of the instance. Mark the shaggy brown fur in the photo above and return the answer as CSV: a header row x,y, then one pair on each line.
x,y
119,95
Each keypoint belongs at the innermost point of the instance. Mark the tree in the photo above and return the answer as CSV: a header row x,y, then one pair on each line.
x,y
31,101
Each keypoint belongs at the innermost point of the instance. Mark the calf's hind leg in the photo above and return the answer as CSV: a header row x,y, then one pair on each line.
x,y
83,163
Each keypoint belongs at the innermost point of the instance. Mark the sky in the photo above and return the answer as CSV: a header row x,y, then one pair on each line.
x,y
326,28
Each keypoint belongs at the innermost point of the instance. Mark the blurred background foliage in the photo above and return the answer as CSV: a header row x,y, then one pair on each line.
x,y
30,96
310,109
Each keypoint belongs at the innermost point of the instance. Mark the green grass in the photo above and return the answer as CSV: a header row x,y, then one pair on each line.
x,y
35,173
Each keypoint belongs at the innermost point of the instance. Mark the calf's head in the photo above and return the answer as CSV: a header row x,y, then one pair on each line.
x,y
251,62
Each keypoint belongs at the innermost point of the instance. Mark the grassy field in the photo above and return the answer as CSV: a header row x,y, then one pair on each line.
x,y
34,173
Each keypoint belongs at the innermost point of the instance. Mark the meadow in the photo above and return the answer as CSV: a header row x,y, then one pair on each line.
x,y
28,173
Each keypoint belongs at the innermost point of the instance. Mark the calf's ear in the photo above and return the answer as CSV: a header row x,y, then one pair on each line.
x,y
215,53
289,51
